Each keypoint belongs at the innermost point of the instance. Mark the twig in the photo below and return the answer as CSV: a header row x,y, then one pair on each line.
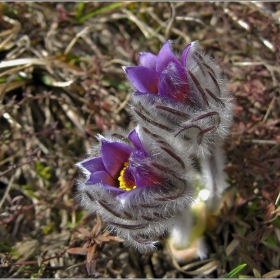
x,y
15,167
268,109
7,189
75,39
146,30
122,105
265,142
186,18
171,21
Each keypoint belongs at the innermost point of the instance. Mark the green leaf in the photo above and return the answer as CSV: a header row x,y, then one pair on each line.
x,y
79,10
42,171
31,194
253,207
276,222
29,187
271,242
100,11
235,271
116,84
17,78
46,229
271,246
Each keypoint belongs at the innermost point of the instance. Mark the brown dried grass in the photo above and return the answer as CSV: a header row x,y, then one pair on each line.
x,y
61,82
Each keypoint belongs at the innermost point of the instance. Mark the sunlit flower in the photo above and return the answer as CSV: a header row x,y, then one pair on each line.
x,y
184,99
137,184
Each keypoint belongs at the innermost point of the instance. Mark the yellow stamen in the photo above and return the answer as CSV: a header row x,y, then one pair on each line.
x,y
128,186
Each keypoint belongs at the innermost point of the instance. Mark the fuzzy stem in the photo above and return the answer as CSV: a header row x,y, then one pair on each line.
x,y
214,176
179,236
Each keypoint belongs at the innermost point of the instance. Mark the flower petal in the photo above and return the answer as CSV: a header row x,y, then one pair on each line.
x,y
147,59
114,155
173,83
101,177
93,164
134,138
185,54
165,57
140,171
143,78
114,189
143,178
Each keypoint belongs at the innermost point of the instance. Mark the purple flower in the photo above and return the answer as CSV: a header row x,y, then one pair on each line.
x,y
186,100
137,184
163,74
114,170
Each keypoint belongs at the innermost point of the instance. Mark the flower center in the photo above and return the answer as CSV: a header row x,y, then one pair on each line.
x,y
126,179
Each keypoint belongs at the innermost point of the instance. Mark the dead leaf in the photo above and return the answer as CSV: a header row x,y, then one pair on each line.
x,y
271,274
78,251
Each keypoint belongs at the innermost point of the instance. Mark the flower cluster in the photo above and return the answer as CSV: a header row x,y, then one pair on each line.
x,y
141,183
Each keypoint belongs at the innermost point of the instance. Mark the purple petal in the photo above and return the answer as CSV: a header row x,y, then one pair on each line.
x,y
93,165
143,93
185,54
134,138
173,84
143,78
114,155
101,177
114,189
122,195
148,60
140,171
143,178
165,57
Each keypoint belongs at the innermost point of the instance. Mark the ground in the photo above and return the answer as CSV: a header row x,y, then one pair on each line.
x,y
61,83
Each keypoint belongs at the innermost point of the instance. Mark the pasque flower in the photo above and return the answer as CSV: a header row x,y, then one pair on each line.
x,y
141,183
137,184
185,99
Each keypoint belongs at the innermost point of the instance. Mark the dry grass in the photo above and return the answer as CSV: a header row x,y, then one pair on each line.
x,y
61,82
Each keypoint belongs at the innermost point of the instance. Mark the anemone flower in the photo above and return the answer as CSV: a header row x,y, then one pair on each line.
x,y
185,99
137,193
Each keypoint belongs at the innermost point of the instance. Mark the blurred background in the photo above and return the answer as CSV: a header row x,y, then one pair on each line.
x,y
61,83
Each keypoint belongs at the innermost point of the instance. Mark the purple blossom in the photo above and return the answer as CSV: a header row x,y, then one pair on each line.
x,y
186,99
114,170
137,184
163,74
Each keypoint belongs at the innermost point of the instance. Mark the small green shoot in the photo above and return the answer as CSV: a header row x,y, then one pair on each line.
x,y
16,79
79,10
48,228
100,11
235,271
118,85
42,171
